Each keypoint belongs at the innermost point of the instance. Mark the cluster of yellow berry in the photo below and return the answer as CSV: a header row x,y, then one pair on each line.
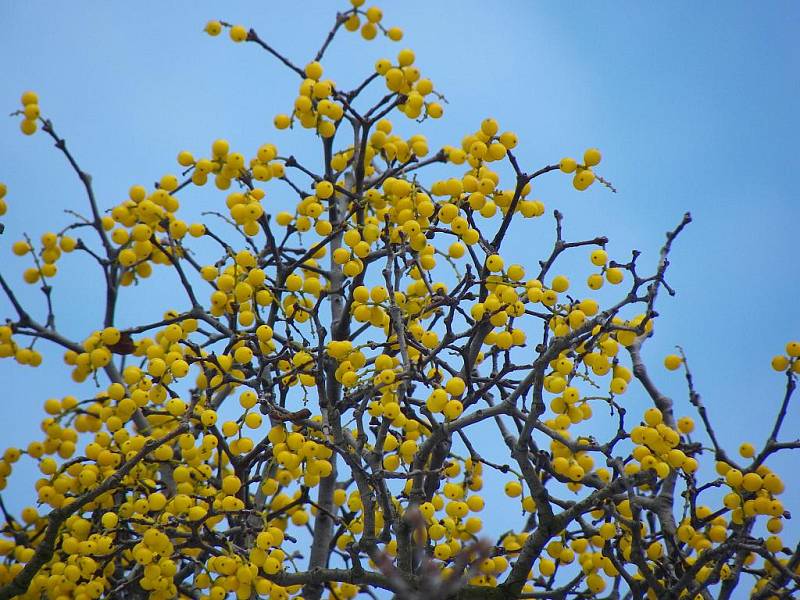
x,y
406,80
146,230
52,244
227,166
196,500
447,521
584,176
10,348
752,494
411,210
30,112
242,289
45,260
391,147
373,17
316,106
656,446
238,33
478,189
790,360
301,457
589,551
614,275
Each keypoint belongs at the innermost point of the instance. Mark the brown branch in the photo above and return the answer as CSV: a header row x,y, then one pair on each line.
x,y
86,180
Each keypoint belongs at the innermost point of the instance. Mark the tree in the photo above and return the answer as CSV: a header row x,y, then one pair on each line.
x,y
319,416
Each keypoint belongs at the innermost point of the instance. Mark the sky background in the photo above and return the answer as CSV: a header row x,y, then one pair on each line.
x,y
693,106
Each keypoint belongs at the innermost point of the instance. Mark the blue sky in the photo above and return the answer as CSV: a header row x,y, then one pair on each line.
x,y
693,106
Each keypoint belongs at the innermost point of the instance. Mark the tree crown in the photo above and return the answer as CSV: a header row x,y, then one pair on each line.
x,y
353,358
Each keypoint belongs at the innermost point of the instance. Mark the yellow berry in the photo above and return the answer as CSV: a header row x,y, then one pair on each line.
x,y
513,489
546,567
746,450
434,110
324,190
780,363
568,165
369,31
508,139
599,258
313,70
559,284
109,520
583,179
455,386
752,482
31,111
653,417
282,121
614,275
29,97
20,248
453,409
213,28
405,57
494,263
238,33
591,157
395,34
28,126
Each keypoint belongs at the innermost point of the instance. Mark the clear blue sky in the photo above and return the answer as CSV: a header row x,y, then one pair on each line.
x,y
693,105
